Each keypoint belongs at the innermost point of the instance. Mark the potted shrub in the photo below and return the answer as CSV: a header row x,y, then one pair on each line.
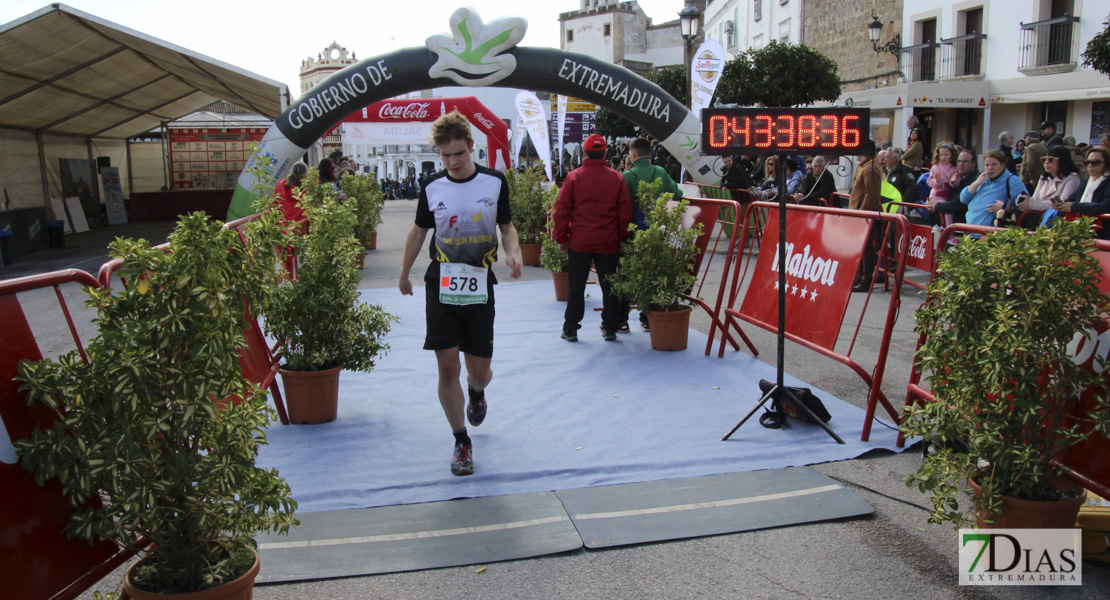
x,y
655,268
1001,319
318,319
526,201
143,444
366,200
550,258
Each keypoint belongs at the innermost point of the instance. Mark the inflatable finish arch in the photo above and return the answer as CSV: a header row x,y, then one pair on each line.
x,y
475,55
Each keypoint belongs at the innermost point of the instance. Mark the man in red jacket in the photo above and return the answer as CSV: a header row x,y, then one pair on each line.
x,y
591,219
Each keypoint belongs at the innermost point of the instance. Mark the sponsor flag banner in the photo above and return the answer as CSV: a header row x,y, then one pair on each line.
x,y
535,123
823,253
518,137
705,72
113,195
562,124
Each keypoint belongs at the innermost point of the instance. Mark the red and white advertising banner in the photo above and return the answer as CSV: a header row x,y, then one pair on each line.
x,y
919,253
1090,458
823,253
210,158
407,121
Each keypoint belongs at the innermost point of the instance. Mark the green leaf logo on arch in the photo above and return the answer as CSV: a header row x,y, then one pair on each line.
x,y
472,56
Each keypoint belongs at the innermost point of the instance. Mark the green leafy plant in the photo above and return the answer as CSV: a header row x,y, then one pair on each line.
x,y
526,194
366,200
655,267
318,316
1003,319
779,75
157,435
551,259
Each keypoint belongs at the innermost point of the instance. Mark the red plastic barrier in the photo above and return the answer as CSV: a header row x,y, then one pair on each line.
x,y
38,560
1089,461
824,250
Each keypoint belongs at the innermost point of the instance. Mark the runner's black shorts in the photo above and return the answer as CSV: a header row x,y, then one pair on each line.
x,y
469,327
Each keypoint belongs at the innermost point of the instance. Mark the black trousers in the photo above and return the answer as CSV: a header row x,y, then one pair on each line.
x,y
578,272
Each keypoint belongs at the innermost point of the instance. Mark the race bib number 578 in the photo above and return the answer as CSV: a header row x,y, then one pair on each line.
x,y
462,284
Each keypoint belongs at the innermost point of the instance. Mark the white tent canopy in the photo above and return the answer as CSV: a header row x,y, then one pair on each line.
x,y
69,78
68,72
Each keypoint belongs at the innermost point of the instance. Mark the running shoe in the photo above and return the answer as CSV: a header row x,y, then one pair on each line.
x,y
623,327
569,336
608,336
462,463
476,408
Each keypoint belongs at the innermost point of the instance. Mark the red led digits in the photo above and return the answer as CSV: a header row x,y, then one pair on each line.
x,y
718,131
765,131
788,129
828,130
807,131
850,135
830,136
746,131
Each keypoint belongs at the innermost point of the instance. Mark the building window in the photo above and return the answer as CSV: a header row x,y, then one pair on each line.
x,y
758,10
784,32
608,29
570,35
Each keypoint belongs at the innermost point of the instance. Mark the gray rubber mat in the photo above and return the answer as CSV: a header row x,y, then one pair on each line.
x,y
654,511
343,543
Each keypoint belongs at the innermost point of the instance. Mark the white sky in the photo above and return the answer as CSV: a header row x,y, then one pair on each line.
x,y
272,38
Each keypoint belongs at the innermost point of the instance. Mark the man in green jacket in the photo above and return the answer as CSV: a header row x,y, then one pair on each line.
x,y
643,170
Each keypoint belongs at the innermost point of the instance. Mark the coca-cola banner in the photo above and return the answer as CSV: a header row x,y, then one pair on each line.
x,y
474,54
406,114
920,252
823,253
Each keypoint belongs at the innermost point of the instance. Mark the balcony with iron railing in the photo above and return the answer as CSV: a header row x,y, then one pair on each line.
x,y
919,62
1048,46
961,58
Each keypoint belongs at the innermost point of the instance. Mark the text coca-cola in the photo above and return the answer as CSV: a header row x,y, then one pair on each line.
x,y
409,111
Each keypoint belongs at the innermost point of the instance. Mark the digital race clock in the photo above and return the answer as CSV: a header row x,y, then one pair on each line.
x,y
827,131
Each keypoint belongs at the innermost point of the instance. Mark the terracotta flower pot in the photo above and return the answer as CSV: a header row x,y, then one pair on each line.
x,y
361,260
371,243
311,397
530,254
562,285
236,589
1035,514
670,329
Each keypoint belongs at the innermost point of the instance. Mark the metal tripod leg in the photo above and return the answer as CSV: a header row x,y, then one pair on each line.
x,y
769,395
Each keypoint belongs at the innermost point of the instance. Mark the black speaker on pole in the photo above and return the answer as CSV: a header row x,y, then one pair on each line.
x,y
102,161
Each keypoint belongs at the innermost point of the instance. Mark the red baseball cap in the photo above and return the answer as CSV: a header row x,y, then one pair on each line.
x,y
594,142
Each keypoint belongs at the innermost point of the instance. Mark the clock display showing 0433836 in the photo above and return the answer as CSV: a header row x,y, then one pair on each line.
x,y
826,130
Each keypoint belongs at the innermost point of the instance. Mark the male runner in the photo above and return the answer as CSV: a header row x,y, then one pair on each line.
x,y
464,204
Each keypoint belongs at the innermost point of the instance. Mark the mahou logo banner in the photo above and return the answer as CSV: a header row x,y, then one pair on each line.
x,y
823,253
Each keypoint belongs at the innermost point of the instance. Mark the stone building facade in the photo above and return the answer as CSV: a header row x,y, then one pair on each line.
x,y
838,29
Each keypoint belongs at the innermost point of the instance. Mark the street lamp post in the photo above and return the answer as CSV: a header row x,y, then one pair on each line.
x,y
875,30
689,18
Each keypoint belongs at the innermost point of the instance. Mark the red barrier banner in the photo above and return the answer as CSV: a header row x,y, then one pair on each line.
x,y
823,253
920,252
1090,459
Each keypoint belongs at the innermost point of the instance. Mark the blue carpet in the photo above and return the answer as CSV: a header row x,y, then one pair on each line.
x,y
561,415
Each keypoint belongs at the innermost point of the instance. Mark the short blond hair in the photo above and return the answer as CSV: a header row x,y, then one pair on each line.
x,y
451,126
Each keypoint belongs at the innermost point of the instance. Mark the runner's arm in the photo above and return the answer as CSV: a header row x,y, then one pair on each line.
x,y
511,243
414,241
